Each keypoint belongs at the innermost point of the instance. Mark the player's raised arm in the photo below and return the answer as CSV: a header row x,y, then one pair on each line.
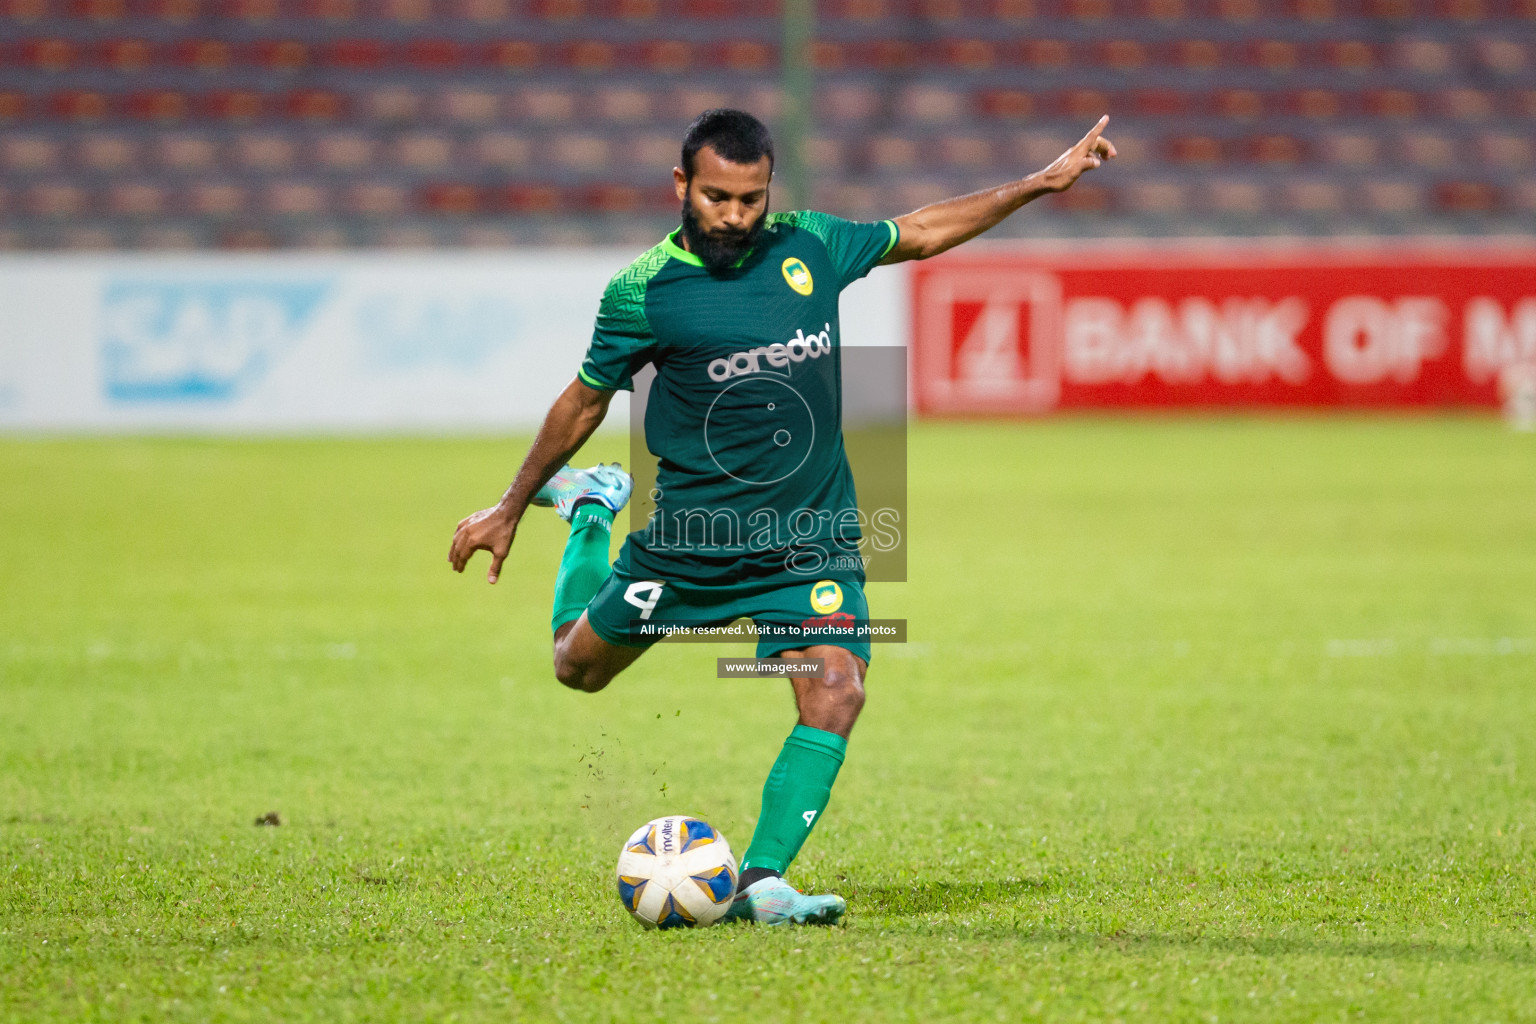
x,y
567,425
942,226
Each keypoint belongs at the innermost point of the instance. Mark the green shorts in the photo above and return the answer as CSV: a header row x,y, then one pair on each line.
x,y
629,611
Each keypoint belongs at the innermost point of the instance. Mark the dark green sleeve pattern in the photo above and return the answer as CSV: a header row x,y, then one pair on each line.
x,y
854,246
622,341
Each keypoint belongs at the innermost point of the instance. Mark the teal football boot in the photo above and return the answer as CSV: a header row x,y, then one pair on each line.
x,y
605,483
774,901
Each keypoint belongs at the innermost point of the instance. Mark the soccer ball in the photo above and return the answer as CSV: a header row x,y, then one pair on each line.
x,y
677,872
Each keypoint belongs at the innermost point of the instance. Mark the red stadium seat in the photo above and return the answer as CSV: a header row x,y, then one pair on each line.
x,y
1353,56
611,198
1522,196
1501,54
1047,54
747,56
407,12
654,152
206,55
1092,11
1087,197
164,106
1467,197
281,54
532,198
931,103
1390,10
1082,104
965,151
177,12
315,105
1277,149
1318,104
668,56
484,11
1466,104
99,10
891,55
513,54
825,153
1239,104
968,54
1195,149
435,55
79,105
25,11
1162,102
1123,55
329,10
1394,103
892,152
636,10
252,10
13,106
1277,56
237,105
1318,12
1424,56
1313,195
593,56
1156,197
127,55
1393,197
1229,195
830,55
52,55
357,54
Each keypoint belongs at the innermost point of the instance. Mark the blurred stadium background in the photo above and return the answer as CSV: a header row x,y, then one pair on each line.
x,y
276,124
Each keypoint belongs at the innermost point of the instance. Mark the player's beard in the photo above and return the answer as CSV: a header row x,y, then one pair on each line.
x,y
721,248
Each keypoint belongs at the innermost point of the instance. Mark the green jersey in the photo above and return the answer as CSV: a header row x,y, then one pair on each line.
x,y
745,412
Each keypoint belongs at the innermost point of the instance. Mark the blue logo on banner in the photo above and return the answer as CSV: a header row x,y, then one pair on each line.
x,y
189,340
402,332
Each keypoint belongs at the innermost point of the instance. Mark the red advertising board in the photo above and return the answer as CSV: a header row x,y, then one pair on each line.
x,y
1031,330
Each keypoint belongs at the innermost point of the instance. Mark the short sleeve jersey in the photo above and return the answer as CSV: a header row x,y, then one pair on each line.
x,y
745,412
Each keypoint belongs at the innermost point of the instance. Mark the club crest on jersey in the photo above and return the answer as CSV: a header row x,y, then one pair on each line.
x,y
826,597
798,275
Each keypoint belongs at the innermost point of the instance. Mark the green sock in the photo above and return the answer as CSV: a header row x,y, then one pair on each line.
x,y
794,796
584,566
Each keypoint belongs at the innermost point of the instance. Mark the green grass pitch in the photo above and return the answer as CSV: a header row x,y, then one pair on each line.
x,y
1202,719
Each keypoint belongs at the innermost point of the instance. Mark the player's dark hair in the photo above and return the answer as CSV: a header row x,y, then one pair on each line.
x,y
735,134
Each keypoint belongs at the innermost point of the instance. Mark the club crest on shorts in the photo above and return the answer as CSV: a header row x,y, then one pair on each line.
x,y
826,597
798,275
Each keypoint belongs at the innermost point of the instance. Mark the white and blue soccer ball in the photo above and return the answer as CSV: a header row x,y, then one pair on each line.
x,y
677,872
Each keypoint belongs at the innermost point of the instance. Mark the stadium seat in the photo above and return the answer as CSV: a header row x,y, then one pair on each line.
x,y
1277,56
376,199
13,106
1161,102
1006,104
252,10
1393,197
1318,104
1507,150
1429,149
514,54
99,11
49,55
329,10
1047,54
1502,55
1393,103
422,151
1277,149
968,54
1523,196
1313,195
393,104
930,103
28,154
649,153
1156,198
1122,55
167,237
112,153
357,55
236,105
1200,55
435,56
406,12
892,55
1087,197
127,55
136,199
87,238
848,102
217,199
178,12
455,199
265,152
592,56
1351,149
825,154
746,56
501,150
668,56
469,106
183,152
579,151
1423,56
163,106
205,55
1084,104
892,152
964,151
543,105
82,105
1239,104
531,198
1467,196
1465,104
484,12
1196,149
55,199
1236,196
1353,56
315,105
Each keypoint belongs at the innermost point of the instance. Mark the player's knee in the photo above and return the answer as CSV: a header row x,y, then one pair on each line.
x,y
843,688
578,675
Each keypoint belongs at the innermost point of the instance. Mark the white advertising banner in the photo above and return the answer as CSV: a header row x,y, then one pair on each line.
x,y
318,342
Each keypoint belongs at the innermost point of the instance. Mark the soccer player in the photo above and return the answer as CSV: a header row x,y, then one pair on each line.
x,y
737,311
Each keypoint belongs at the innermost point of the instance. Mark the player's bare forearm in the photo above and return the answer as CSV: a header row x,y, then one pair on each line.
x,y
567,425
941,226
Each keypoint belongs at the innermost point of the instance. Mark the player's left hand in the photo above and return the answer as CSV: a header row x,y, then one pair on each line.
x,y
1090,152
490,529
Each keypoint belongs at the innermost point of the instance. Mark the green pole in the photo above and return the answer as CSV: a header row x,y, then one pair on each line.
x,y
799,80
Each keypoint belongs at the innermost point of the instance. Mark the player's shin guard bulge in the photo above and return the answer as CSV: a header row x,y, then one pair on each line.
x,y
794,796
